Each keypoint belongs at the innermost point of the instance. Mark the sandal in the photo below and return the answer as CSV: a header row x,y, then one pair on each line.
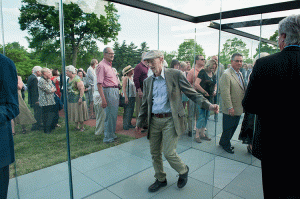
x,y
77,129
205,138
24,131
82,129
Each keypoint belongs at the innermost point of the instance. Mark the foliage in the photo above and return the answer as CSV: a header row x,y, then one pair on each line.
x,y
265,47
188,49
42,24
22,59
127,54
230,47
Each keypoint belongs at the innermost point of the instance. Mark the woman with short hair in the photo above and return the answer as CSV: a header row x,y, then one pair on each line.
x,y
46,100
77,108
206,84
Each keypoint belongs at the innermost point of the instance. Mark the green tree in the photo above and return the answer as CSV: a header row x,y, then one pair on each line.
x,y
188,49
169,56
22,59
127,54
230,47
42,24
268,48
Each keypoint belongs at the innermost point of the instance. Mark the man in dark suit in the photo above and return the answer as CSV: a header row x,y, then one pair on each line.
x,y
9,109
163,109
272,84
33,96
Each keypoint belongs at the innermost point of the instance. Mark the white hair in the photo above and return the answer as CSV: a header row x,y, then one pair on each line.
x,y
260,55
36,69
71,69
291,27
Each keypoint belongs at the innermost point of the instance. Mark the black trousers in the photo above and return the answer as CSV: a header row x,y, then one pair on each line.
x,y
38,117
49,115
4,181
230,123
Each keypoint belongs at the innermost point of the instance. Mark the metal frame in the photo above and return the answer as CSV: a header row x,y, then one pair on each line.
x,y
230,28
151,7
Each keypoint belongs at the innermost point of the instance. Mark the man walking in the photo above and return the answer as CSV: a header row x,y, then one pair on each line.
x,y
232,88
108,89
163,109
33,97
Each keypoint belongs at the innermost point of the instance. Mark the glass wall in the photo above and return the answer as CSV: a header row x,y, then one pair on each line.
x,y
123,169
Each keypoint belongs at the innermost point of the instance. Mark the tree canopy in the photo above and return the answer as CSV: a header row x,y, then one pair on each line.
x,y
42,24
188,49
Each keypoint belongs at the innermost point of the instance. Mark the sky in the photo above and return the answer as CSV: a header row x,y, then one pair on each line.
x,y
141,26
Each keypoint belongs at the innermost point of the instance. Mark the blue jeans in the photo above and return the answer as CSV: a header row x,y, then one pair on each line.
x,y
203,117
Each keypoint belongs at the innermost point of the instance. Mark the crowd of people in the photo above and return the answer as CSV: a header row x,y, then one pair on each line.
x,y
160,95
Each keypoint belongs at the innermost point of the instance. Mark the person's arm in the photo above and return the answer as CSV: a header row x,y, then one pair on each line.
x,y
191,93
124,85
20,83
9,104
199,88
136,80
100,90
80,87
143,110
100,73
225,93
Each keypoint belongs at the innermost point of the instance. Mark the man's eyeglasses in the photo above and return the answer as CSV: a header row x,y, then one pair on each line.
x,y
110,53
238,61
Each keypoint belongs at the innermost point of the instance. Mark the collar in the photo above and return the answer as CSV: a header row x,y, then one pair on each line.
x,y
161,75
109,63
292,46
235,71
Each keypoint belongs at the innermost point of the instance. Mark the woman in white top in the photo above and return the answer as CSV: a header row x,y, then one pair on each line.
x,y
129,92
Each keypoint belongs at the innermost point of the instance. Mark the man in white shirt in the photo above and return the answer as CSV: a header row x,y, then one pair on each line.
x,y
99,111
91,74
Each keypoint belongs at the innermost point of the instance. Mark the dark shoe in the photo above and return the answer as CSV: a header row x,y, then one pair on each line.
x,y
190,134
228,150
131,126
157,185
183,178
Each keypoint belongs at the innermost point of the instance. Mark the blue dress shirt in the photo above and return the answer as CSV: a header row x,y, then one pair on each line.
x,y
161,103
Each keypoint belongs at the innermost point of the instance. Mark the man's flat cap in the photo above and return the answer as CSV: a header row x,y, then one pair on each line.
x,y
153,54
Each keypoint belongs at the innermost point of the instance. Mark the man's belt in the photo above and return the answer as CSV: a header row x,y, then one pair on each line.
x,y
162,115
111,87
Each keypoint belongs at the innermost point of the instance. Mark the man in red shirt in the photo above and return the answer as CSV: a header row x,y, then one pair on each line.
x,y
140,74
108,89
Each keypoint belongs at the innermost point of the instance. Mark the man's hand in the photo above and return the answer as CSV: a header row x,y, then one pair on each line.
x,y
214,108
140,93
231,112
104,103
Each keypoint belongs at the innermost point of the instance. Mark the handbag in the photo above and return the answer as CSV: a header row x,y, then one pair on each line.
x,y
122,98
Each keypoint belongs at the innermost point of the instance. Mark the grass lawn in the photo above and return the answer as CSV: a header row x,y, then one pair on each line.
x,y
36,150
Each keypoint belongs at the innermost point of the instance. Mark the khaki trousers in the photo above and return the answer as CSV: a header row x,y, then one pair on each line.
x,y
100,119
163,138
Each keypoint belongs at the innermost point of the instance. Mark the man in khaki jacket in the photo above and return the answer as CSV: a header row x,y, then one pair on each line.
x,y
232,88
163,109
